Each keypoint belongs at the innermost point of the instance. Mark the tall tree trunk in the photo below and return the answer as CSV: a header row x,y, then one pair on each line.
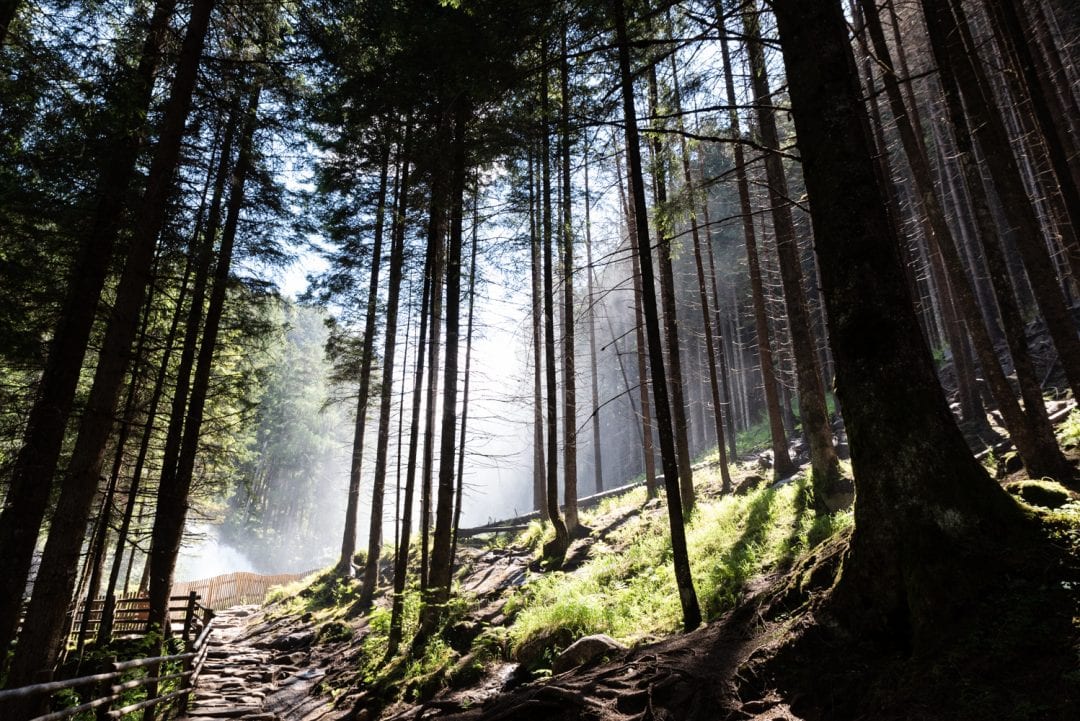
x,y
680,557
640,351
434,602
566,236
711,347
1016,31
679,404
1032,450
41,639
598,456
172,500
830,493
783,467
539,472
955,48
386,393
459,492
401,559
433,385
555,550
971,408
724,370
109,607
945,243
348,538
31,476
97,549
900,576
1051,461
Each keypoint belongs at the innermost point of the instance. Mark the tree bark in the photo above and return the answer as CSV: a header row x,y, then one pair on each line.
x,y
386,393
172,505
108,610
539,472
566,235
434,602
725,370
436,280
1016,32
711,347
401,560
598,456
1048,459
31,476
41,640
830,493
460,489
911,530
348,538
783,467
931,217
955,42
640,351
1033,450
554,550
680,558
670,315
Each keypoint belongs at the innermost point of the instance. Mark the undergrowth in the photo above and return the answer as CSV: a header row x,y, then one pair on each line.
x,y
1069,431
627,590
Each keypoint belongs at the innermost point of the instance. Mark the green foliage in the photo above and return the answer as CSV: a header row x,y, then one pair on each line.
x,y
1048,494
534,536
375,643
278,516
290,590
1069,432
629,591
326,595
755,439
333,632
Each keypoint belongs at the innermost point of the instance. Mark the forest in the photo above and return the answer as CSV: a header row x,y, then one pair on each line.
x,y
629,359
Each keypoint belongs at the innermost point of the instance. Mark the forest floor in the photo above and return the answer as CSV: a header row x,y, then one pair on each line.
x,y
768,651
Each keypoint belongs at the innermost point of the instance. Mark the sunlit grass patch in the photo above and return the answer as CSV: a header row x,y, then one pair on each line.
x,y
290,590
630,593
1069,431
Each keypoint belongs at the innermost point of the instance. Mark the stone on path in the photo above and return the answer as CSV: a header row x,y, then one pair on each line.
x,y
247,682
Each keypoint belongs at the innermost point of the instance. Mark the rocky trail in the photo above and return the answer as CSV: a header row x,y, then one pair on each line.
x,y
249,676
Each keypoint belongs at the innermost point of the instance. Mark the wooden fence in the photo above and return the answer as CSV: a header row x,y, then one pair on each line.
x,y
232,589
114,692
131,616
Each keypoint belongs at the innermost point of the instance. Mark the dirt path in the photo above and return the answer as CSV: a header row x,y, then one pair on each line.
x,y
247,678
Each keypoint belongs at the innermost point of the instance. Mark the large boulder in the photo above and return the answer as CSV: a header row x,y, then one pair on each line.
x,y
531,653
586,650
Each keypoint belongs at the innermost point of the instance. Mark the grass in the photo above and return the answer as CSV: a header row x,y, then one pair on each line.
x,y
1069,432
628,590
625,589
755,439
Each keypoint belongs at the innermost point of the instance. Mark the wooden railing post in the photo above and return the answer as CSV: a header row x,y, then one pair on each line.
x,y
106,689
105,627
189,618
